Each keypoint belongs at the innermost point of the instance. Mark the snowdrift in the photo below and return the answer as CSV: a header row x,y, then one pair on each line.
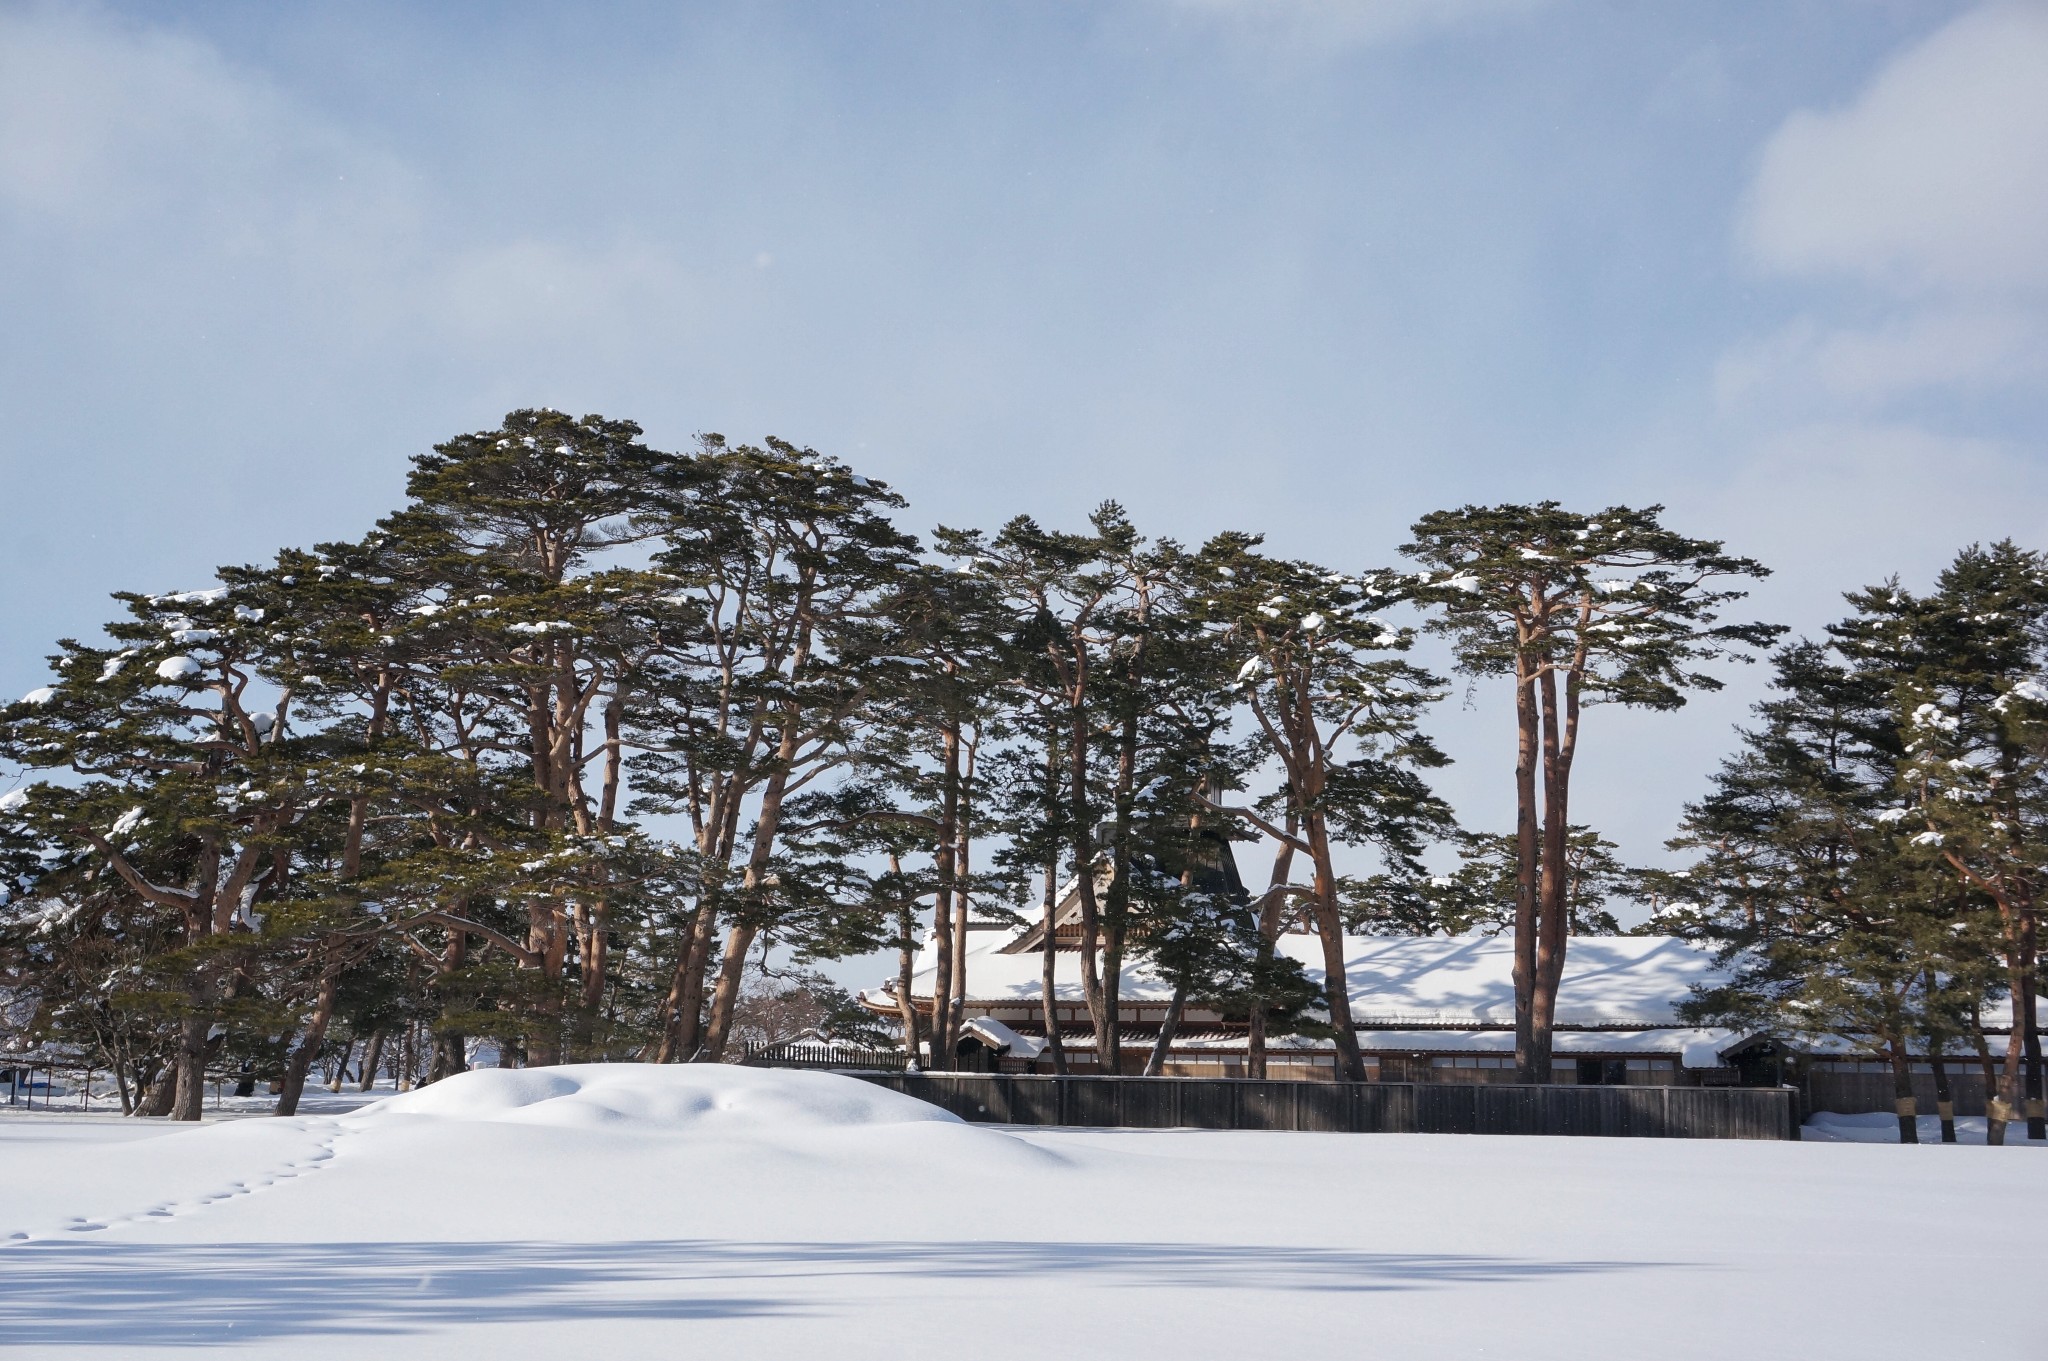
x,y
709,1098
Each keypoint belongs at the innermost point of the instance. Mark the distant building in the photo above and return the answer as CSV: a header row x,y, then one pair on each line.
x,y
1427,1008
1430,1009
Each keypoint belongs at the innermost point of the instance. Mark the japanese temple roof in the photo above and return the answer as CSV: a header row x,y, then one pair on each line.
x,y
1402,982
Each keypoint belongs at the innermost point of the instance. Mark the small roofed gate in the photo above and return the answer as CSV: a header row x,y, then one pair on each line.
x,y
1357,1108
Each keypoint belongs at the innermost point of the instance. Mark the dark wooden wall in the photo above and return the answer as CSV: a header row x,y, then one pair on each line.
x,y
1359,1108
1862,1093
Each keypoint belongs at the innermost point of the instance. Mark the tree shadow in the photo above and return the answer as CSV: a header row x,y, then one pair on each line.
x,y
207,1295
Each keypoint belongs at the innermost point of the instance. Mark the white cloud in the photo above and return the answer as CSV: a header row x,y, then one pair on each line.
x,y
127,147
1928,196
1934,179
1807,364
105,125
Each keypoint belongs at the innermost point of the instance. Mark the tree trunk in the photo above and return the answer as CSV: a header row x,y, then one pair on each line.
x,y
1525,875
906,1005
1272,910
1111,1058
939,1057
1084,882
2009,1078
1996,1111
1903,1103
451,1055
1116,922
945,868
160,1091
2029,1022
726,994
451,1049
1553,912
906,943
1944,1096
190,1103
348,1052
1157,1062
373,1055
308,1047
1330,926
956,1015
767,822
1048,967
593,928
548,938
683,1035
121,1085
1337,987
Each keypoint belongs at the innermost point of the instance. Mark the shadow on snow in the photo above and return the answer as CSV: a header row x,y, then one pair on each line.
x,y
203,1295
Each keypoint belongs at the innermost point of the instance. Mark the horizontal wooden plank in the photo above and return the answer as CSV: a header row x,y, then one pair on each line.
x,y
1359,1108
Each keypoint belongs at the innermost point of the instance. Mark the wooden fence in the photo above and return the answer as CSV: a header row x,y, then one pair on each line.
x,y
1861,1093
797,1054
1358,1108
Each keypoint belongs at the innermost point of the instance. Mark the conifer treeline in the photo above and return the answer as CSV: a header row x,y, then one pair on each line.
x,y
1871,858
552,754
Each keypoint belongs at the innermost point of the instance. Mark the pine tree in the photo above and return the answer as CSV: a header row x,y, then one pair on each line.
x,y
1097,620
546,651
1336,708
1577,610
784,559
188,785
932,729
1831,922
1975,710
1479,895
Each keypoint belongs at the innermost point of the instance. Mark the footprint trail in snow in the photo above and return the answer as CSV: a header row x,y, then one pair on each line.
x,y
329,1129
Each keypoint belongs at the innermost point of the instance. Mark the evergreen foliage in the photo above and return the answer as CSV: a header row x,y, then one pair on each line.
x,y
1575,610
592,750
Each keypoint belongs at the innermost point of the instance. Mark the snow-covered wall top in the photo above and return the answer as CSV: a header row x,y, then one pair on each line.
x,y
1608,980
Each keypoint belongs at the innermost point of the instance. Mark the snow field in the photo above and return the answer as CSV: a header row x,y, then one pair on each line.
x,y
1878,1127
744,1213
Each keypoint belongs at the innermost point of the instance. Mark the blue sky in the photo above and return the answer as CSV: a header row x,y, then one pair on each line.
x,y
1312,269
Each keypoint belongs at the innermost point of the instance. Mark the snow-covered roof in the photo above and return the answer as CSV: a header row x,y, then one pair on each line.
x,y
1956,1051
1000,1036
1399,982
1697,1047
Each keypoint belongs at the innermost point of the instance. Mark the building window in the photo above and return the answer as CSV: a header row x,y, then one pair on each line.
x,y
1603,1072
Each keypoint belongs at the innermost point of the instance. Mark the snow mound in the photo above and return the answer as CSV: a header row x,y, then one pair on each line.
x,y
707,1098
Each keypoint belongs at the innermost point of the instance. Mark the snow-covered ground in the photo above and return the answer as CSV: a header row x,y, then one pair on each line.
x,y
629,1211
1881,1128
